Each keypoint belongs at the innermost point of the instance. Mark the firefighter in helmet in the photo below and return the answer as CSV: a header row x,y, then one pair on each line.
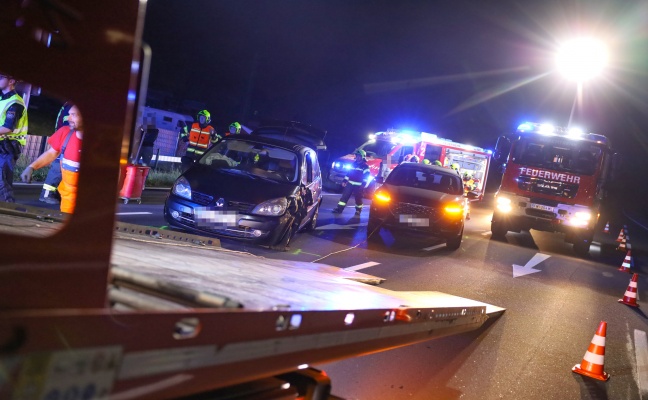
x,y
355,182
455,166
199,138
234,129
437,163
468,182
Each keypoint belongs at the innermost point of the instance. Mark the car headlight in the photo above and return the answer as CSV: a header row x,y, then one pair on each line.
x,y
274,207
382,197
503,204
182,188
453,209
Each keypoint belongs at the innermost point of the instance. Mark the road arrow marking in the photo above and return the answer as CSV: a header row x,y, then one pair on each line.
x,y
338,226
519,270
438,246
361,266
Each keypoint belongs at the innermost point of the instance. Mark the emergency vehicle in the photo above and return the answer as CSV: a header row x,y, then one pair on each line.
x,y
385,150
554,181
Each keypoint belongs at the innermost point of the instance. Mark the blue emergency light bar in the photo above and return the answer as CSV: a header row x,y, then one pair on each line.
x,y
552,130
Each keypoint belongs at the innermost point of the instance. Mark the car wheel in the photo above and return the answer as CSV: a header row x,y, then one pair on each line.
x,y
312,224
582,244
498,229
284,240
455,242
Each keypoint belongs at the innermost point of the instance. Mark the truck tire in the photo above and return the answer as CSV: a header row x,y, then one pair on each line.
x,y
498,229
582,245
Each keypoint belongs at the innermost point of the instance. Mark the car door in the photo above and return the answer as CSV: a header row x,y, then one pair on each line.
x,y
312,178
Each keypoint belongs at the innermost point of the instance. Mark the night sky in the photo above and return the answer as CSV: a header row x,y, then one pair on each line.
x,y
466,70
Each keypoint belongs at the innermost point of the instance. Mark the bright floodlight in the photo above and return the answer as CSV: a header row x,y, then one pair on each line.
x,y
582,59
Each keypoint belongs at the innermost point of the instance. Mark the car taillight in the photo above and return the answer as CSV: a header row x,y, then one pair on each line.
x,y
382,197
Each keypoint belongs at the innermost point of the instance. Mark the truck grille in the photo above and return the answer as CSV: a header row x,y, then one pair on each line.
x,y
544,186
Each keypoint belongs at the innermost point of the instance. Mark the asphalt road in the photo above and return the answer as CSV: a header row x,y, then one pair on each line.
x,y
554,306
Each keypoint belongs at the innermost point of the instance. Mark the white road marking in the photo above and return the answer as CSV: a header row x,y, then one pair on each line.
x,y
134,213
641,353
361,266
486,233
519,270
438,246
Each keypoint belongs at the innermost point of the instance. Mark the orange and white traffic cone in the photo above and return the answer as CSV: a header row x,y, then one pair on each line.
x,y
621,235
607,227
627,263
630,296
623,246
592,364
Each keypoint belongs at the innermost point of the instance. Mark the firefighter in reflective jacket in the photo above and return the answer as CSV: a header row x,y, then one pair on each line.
x,y
199,138
354,183
66,142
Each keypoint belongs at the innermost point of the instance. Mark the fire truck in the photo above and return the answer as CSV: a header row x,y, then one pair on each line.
x,y
385,150
554,180
94,308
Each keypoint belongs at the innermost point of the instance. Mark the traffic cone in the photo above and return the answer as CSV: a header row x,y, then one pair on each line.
x,y
621,235
627,263
592,364
630,296
607,227
623,246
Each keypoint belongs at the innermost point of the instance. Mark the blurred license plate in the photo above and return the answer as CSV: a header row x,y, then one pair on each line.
x,y
542,207
412,220
208,217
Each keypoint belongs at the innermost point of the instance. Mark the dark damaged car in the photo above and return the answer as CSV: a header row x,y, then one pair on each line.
x,y
260,188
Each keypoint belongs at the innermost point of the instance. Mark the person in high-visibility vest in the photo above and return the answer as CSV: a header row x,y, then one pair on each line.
x,y
355,182
66,142
199,138
13,134
49,193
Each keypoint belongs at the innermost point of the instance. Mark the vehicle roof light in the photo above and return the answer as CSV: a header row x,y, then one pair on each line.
x,y
575,132
547,129
372,136
525,127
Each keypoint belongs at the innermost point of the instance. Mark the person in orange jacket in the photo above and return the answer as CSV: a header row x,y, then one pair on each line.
x,y
200,137
66,141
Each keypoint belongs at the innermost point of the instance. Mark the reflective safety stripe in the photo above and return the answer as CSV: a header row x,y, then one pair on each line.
x,y
355,183
594,358
341,203
632,295
598,340
49,187
633,284
69,165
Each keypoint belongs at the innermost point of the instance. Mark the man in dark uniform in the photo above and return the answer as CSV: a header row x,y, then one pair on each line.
x,y
13,134
354,183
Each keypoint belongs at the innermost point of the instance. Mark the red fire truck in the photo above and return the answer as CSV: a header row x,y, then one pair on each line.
x,y
385,150
554,181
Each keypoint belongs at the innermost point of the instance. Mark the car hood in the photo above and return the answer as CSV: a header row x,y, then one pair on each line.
x,y
240,188
424,197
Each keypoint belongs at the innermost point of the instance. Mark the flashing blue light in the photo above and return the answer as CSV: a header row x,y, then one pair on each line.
x,y
346,166
489,151
525,127
131,95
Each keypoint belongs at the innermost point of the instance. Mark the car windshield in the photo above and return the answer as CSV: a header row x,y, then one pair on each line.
x,y
562,155
428,179
253,159
377,148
